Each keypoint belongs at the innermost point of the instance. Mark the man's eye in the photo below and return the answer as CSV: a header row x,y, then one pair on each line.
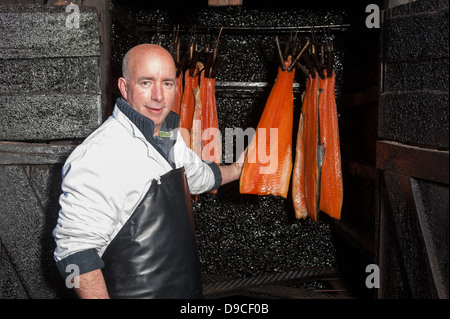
x,y
168,84
146,83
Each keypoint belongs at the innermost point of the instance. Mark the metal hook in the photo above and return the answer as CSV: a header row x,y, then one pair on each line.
x,y
283,67
293,63
218,37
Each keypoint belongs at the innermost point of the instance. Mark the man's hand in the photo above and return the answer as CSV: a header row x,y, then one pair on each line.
x,y
233,172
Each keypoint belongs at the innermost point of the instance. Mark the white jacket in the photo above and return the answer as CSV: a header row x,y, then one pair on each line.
x,y
107,176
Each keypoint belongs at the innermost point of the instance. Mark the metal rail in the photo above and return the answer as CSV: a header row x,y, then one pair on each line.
x,y
242,29
282,278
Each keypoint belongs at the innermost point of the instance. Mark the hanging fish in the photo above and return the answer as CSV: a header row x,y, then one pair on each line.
x,y
178,92
298,174
191,76
319,147
331,185
268,164
314,151
267,167
211,138
196,127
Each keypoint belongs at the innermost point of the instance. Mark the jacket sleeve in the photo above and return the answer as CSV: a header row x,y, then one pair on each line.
x,y
86,218
202,176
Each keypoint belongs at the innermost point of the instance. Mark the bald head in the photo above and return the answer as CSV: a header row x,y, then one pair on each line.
x,y
148,82
139,53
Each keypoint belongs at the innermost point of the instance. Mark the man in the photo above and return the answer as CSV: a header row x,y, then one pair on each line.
x,y
124,220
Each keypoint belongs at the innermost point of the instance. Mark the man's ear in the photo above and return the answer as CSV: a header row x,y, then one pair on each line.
x,y
123,87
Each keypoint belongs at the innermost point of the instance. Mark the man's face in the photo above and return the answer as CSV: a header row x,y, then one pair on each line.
x,y
151,87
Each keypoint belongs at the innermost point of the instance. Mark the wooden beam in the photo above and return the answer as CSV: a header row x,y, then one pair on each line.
x,y
221,3
424,163
17,153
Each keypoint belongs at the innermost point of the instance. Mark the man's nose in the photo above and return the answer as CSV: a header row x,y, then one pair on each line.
x,y
157,92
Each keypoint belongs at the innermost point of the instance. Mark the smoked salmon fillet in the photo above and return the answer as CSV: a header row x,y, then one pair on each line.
x,y
268,164
211,139
188,104
331,186
194,133
178,93
196,128
298,175
313,151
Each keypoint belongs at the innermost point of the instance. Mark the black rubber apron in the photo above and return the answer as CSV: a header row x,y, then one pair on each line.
x,y
155,254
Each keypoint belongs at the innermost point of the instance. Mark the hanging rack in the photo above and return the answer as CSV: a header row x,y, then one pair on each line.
x,y
247,89
245,29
